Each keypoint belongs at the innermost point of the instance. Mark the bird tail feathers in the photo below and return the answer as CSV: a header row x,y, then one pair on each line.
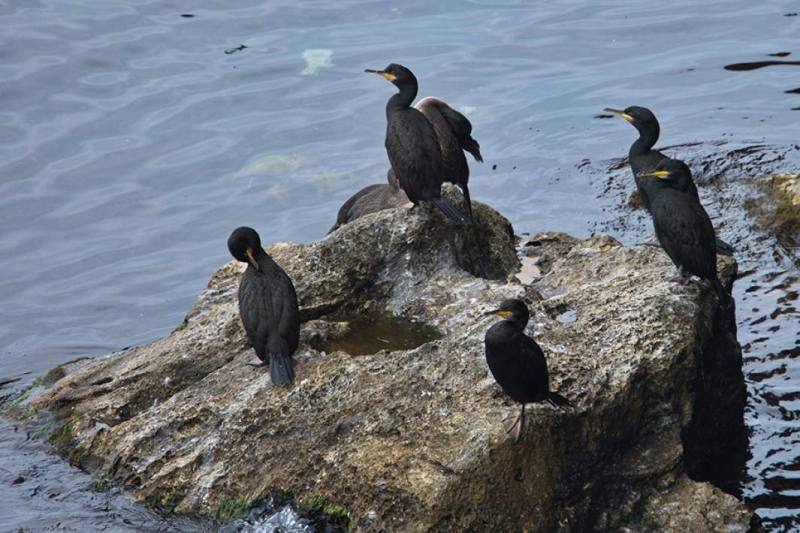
x,y
472,146
557,400
723,248
450,210
725,299
281,369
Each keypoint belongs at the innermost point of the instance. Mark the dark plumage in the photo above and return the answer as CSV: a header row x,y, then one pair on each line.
x,y
518,364
643,157
371,199
682,225
454,132
267,305
412,145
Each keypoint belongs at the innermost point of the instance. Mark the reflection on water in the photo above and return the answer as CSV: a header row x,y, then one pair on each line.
x,y
131,143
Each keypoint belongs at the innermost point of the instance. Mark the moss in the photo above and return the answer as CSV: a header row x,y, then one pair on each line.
x,y
105,480
326,517
164,501
44,430
62,437
180,327
232,508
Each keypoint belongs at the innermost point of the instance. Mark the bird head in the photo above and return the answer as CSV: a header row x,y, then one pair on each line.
x,y
397,74
640,117
671,173
513,310
244,244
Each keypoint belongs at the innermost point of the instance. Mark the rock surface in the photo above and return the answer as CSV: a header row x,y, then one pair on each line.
x,y
412,440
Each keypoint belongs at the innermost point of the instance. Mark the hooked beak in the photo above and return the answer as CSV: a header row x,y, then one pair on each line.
x,y
252,259
388,76
499,312
619,113
661,174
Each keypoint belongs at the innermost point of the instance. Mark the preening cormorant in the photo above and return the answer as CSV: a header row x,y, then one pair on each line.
x,y
412,144
371,199
518,363
454,132
643,157
682,225
267,305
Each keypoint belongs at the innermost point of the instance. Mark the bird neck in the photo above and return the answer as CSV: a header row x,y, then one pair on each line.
x,y
519,322
402,99
647,139
263,259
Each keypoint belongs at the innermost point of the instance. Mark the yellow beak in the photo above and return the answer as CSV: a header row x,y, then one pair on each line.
x,y
654,174
252,259
388,76
498,312
619,113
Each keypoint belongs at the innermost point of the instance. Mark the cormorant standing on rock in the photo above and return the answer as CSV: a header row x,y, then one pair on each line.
x,y
518,364
371,199
643,157
267,305
412,145
454,132
682,225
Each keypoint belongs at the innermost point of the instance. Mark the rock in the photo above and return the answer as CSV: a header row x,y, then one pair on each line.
x,y
412,440
778,208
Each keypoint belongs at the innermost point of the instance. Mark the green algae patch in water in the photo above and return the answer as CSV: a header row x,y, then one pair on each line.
x,y
367,335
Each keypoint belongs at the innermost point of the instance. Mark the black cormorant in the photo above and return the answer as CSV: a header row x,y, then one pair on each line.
x,y
682,225
643,157
454,132
412,145
518,364
267,305
371,199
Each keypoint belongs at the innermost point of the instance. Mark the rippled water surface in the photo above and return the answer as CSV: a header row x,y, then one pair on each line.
x,y
131,144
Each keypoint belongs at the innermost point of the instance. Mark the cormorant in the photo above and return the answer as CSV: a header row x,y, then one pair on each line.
x,y
518,364
643,157
682,225
267,305
412,145
371,199
454,132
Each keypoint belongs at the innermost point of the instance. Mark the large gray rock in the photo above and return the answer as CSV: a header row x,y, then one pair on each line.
x,y
412,440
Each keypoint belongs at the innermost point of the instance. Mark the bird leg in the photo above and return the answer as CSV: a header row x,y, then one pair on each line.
x,y
514,424
259,365
682,276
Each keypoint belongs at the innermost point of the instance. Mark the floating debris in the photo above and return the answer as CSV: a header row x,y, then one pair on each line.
x,y
316,59
234,50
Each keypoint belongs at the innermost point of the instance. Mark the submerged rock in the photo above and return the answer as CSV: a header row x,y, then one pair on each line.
x,y
412,440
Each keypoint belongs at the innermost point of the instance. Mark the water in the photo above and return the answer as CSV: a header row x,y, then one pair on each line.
x,y
131,144
366,335
59,497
